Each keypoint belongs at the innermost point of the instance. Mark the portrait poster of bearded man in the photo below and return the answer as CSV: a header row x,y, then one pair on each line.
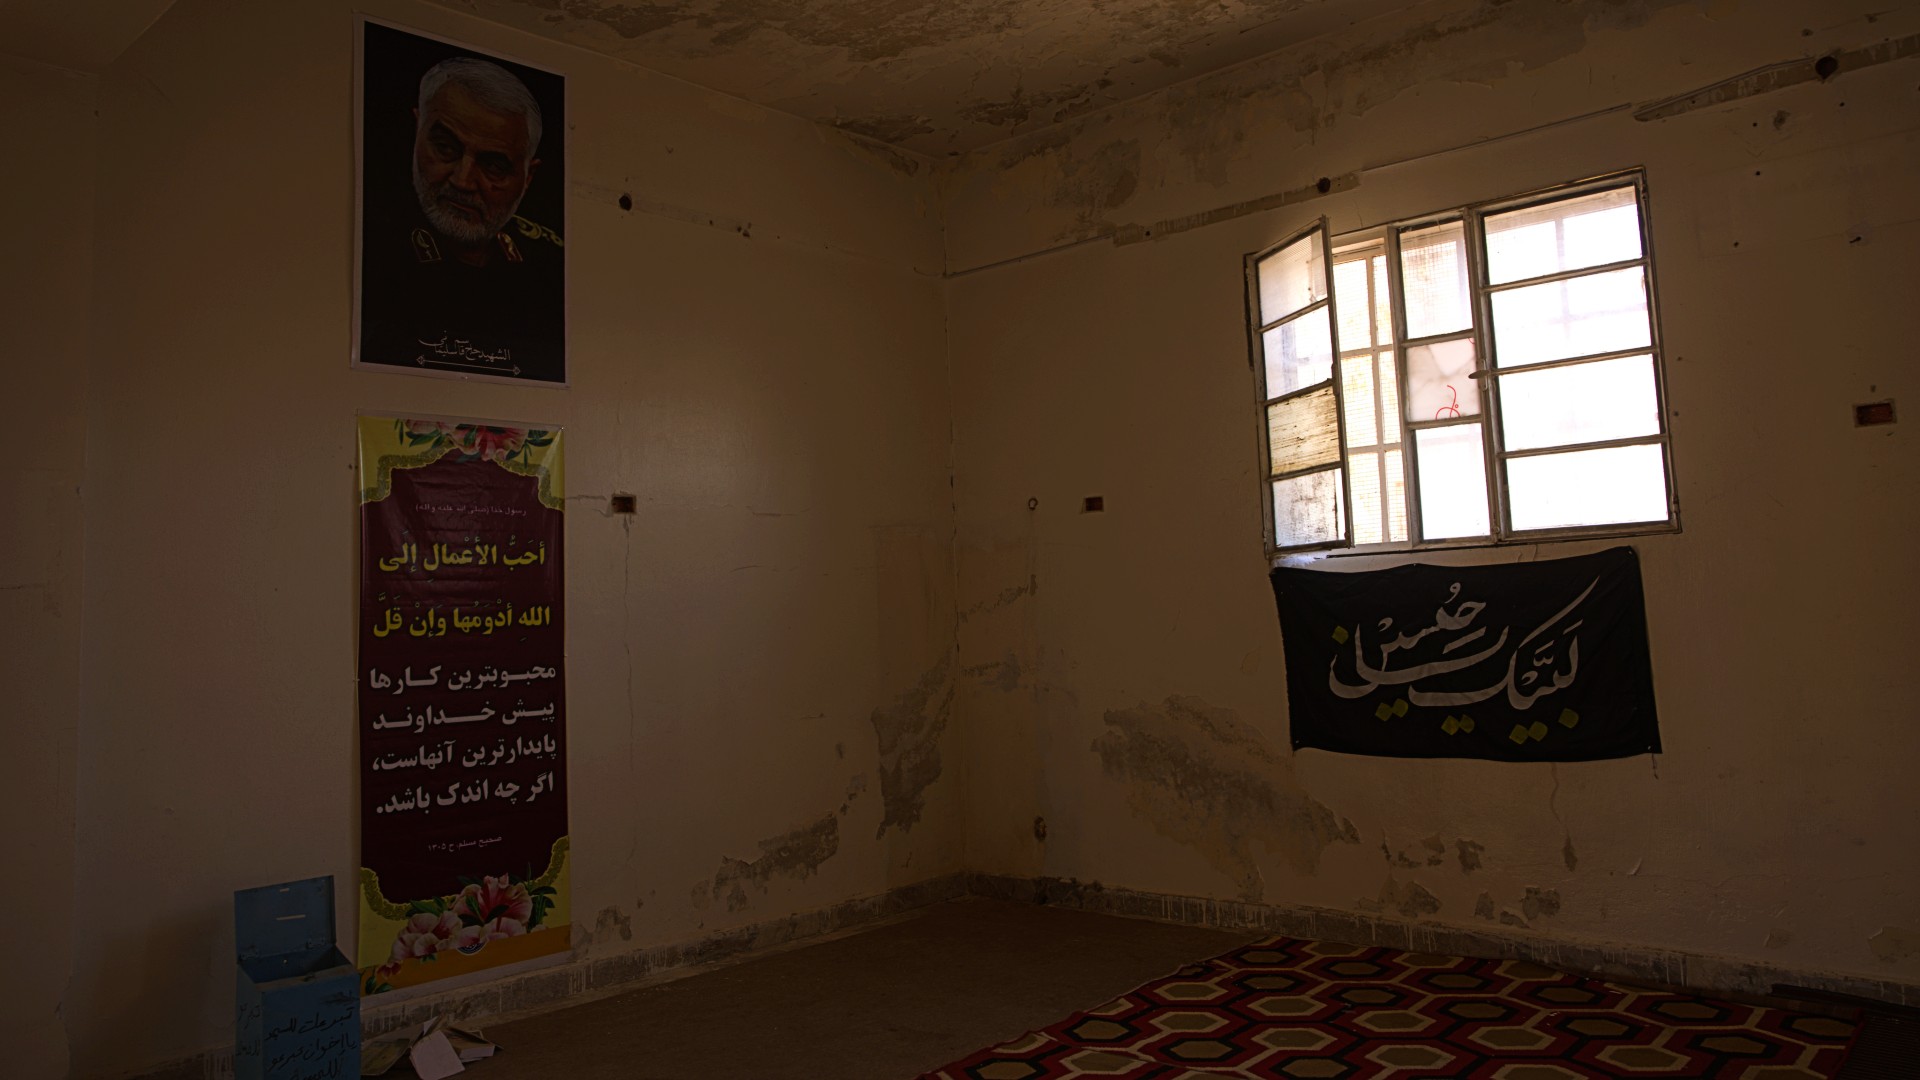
x,y
461,265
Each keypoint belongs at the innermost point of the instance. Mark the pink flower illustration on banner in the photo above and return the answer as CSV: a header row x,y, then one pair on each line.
x,y
488,910
482,441
430,430
495,898
494,444
425,934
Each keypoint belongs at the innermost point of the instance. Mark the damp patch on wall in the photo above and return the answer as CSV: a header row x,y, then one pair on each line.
x,y
1204,778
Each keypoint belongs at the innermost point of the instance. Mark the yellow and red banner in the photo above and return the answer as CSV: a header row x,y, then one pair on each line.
x,y
462,699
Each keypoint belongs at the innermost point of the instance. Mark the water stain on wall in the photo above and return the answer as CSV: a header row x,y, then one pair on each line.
x,y
1204,778
796,854
909,732
613,923
1212,123
1894,944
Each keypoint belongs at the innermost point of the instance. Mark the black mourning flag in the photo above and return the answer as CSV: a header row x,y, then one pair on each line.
x,y
1540,661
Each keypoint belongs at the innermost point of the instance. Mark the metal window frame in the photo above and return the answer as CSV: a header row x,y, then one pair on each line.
x,y
1379,241
1486,372
1256,359
1489,362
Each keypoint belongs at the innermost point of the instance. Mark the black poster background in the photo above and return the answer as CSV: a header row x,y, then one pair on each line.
x,y
460,506
513,309
1553,666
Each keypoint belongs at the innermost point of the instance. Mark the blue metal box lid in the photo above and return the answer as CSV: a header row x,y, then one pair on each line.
x,y
275,920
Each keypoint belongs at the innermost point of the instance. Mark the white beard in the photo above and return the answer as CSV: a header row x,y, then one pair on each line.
x,y
449,223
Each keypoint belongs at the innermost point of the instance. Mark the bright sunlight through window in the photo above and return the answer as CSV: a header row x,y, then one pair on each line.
x,y
1480,376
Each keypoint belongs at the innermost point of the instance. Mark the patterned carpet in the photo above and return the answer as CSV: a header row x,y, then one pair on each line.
x,y
1300,1010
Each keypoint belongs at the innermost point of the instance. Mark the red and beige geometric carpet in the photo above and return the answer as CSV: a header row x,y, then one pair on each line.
x,y
1287,1009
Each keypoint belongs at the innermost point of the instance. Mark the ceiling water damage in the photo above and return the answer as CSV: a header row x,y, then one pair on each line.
x,y
933,76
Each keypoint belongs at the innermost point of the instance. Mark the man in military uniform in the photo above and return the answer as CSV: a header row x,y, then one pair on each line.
x,y
454,279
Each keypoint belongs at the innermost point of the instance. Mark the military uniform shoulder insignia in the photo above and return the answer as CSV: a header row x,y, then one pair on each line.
x,y
425,248
533,230
508,248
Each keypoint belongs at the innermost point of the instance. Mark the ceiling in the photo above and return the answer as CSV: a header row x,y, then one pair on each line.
x,y
84,35
933,76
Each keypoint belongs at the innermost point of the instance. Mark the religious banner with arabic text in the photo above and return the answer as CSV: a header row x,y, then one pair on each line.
x,y
1539,661
462,692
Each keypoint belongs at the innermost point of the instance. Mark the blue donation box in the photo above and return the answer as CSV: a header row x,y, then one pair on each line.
x,y
297,1001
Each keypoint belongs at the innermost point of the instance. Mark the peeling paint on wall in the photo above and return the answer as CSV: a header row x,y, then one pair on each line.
x,y
1469,852
1410,899
855,788
1208,128
797,854
1538,902
1003,674
613,923
908,732
1780,76
1484,906
1205,779
1002,598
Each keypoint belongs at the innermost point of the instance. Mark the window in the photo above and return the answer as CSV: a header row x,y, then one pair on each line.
x,y
1486,375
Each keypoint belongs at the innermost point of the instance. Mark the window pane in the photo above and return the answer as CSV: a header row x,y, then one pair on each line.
x,y
1382,311
1356,389
1615,486
1369,526
1306,509
1396,497
1453,483
1303,432
1350,285
1298,354
1433,274
1440,384
1577,317
1389,399
1607,399
1588,230
1292,278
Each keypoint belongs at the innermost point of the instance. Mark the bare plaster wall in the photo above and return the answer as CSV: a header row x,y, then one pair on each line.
x,y
760,661
43,375
1122,672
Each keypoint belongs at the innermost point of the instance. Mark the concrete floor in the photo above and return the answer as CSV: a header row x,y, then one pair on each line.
x,y
884,1004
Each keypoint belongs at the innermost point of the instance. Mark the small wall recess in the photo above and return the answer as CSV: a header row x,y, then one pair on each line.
x,y
623,504
1093,504
1873,412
